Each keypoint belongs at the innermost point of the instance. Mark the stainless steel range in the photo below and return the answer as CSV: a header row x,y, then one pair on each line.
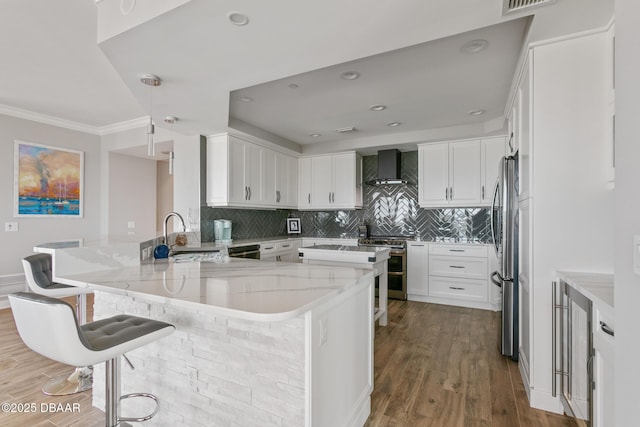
x,y
397,264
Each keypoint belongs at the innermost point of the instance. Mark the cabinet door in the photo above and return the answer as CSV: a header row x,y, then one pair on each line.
x,y
524,151
270,166
254,171
433,175
464,173
492,152
285,173
417,268
304,183
238,173
321,181
344,180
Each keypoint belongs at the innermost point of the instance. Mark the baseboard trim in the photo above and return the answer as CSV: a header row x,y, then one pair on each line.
x,y
362,412
454,302
545,401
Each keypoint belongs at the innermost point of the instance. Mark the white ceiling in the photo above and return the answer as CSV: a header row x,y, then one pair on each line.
x,y
51,65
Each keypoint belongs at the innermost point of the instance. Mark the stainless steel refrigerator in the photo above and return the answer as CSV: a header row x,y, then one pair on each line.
x,y
504,231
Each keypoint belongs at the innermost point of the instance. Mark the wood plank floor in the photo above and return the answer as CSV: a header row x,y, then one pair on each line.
x,y
435,366
438,365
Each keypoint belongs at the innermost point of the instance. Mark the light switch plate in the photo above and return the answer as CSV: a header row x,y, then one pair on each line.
x,y
10,226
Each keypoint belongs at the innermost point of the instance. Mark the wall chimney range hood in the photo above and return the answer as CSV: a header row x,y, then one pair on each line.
x,y
388,168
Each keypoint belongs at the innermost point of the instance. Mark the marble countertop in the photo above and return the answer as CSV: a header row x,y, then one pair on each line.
x,y
247,289
598,287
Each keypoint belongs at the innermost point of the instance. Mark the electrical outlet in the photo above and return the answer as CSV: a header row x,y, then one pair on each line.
x,y
10,226
193,377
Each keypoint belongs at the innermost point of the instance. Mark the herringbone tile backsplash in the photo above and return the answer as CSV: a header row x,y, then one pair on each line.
x,y
389,210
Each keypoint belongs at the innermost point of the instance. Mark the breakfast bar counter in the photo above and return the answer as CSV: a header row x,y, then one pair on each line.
x,y
256,343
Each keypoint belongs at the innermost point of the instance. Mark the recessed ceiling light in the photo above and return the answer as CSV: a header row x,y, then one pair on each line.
x,y
345,129
237,18
474,46
350,75
475,112
378,107
245,99
394,124
314,135
150,80
293,86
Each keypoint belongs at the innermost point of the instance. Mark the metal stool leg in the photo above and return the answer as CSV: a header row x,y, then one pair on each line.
x,y
81,379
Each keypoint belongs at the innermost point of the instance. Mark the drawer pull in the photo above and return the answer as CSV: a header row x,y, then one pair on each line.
x,y
606,329
286,246
456,250
456,266
268,248
456,289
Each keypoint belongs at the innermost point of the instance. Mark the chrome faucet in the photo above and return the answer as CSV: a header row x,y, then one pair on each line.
x,y
166,219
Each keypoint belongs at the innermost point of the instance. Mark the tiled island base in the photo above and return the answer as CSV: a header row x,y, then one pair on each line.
x,y
219,370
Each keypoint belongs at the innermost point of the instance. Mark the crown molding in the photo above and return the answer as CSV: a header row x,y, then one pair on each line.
x,y
70,124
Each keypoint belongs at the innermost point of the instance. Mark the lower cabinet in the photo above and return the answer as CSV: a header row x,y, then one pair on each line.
x,y
452,274
417,269
284,251
603,369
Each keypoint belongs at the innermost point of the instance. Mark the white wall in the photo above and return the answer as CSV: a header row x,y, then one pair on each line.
x,y
32,231
572,203
132,197
627,221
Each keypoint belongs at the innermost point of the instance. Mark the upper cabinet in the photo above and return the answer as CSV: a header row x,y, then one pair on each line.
x,y
332,181
243,174
492,150
458,173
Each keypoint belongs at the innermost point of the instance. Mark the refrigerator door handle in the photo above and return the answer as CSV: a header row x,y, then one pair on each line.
x,y
498,282
492,218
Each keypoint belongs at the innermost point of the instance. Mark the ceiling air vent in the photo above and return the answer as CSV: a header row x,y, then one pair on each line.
x,y
345,130
514,6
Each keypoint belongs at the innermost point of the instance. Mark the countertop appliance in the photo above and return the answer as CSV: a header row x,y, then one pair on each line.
x,y
397,264
222,230
504,233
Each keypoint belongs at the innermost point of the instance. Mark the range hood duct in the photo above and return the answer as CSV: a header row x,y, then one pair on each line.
x,y
388,168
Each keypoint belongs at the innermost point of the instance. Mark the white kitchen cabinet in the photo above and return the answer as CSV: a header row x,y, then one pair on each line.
x,y
492,150
304,183
280,251
286,181
603,369
332,181
449,174
244,174
417,269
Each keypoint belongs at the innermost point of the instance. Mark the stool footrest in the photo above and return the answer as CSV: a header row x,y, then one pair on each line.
x,y
145,418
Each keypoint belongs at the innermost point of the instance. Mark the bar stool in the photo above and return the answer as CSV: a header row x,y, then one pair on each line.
x,y
38,272
49,327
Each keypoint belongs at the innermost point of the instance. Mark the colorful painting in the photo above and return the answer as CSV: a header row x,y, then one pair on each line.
x,y
48,181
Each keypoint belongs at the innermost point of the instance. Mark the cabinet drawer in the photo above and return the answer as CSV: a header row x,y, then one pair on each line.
x,y
284,246
463,267
459,250
467,289
266,248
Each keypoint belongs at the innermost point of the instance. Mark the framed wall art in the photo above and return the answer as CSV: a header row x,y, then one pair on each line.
x,y
48,181
293,225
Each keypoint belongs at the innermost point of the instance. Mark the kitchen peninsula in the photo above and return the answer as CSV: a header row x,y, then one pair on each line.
x,y
256,343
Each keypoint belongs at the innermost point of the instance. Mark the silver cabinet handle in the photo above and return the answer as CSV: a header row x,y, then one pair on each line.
x,y
249,193
606,329
277,196
329,196
456,250
286,246
309,198
456,288
268,248
246,192
483,192
450,193
333,197
446,193
456,266
417,246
